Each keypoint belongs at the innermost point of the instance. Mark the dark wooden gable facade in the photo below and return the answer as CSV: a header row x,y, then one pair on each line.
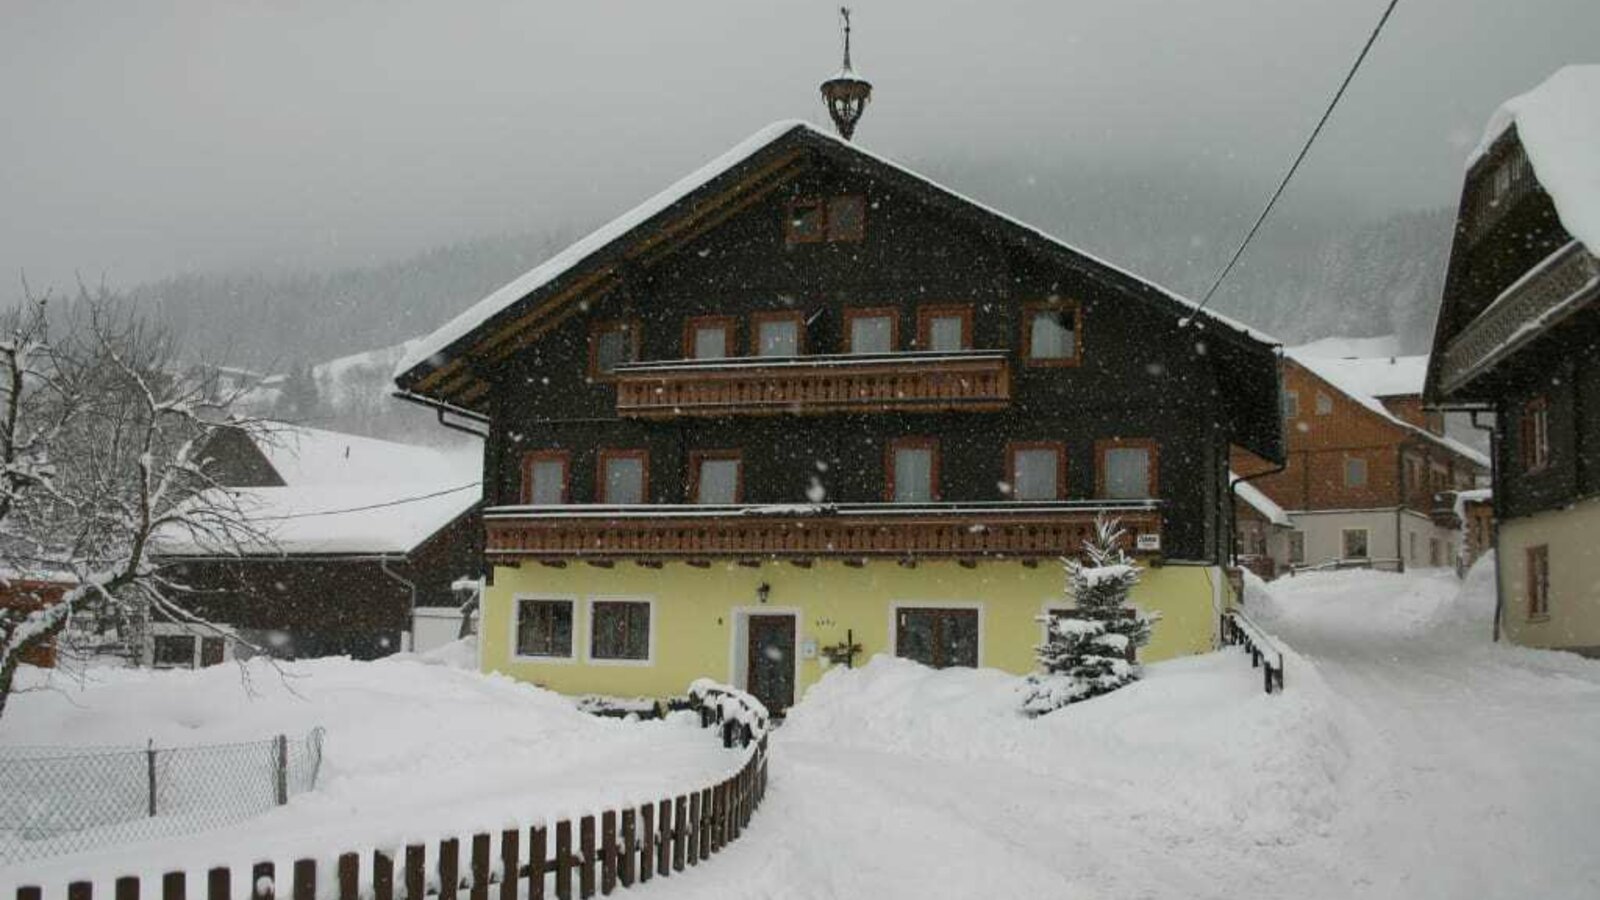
x,y
821,426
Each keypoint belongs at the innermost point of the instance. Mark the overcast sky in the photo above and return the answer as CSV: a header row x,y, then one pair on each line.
x,y
147,138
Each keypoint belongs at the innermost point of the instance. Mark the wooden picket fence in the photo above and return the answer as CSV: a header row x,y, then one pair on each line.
x,y
617,848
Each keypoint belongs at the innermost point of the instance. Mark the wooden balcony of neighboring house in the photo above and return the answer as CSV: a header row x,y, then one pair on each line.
x,y
1562,284
962,381
854,532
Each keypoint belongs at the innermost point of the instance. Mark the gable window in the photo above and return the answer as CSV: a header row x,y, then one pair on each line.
x,y
777,333
806,221
624,476
1324,404
1291,404
937,637
545,477
913,466
871,330
1354,543
1052,334
610,345
1037,470
1127,469
1539,581
1297,548
1535,434
619,630
847,218
715,476
708,337
544,628
945,328
1355,472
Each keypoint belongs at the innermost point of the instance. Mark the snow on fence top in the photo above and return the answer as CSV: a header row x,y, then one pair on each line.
x,y
1558,123
434,345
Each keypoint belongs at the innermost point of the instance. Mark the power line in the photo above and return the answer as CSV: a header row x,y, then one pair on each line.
x,y
1304,150
388,503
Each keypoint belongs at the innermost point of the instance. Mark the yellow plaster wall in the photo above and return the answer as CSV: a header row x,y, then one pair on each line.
x,y
1573,536
696,613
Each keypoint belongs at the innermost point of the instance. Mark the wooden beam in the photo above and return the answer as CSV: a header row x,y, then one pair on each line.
x,y
648,563
700,563
967,563
600,563
554,563
855,563
801,562
908,563
750,563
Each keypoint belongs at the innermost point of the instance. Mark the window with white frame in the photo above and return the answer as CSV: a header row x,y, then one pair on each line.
x,y
1354,543
619,630
544,628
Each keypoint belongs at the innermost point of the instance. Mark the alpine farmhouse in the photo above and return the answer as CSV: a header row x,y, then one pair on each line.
x,y
806,399
1518,336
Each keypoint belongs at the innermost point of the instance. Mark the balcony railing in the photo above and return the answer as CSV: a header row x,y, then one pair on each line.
x,y
972,380
1551,291
851,531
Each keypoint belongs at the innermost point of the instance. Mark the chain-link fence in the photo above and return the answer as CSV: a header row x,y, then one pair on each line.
x,y
56,800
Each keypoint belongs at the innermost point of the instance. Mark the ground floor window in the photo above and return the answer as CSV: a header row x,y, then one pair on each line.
x,y
619,630
1538,581
544,628
937,637
170,650
1297,548
1354,541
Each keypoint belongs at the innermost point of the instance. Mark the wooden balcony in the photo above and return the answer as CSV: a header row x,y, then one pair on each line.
x,y
971,381
849,531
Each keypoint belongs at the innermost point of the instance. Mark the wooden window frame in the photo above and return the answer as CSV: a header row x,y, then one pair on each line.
x,y
939,613
606,455
790,235
537,456
1534,434
730,333
911,443
928,312
1029,311
696,457
778,315
630,326
1538,578
852,313
593,605
1060,448
856,236
1101,447
516,627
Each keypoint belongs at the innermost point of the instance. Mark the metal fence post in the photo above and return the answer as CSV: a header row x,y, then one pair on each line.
x,y
150,773
283,770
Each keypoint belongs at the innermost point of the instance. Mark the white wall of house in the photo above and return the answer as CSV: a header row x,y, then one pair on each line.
x,y
435,626
1324,536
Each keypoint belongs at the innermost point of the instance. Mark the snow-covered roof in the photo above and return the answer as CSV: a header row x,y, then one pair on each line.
x,y
1259,502
1558,124
306,456
372,518
1366,380
1341,347
436,344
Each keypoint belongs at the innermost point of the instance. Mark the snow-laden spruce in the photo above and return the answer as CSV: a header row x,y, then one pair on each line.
x,y
1090,650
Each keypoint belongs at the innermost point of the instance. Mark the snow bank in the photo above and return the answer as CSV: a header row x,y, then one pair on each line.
x,y
1195,743
413,751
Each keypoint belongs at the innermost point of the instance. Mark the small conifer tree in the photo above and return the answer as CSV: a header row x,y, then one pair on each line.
x,y
1090,650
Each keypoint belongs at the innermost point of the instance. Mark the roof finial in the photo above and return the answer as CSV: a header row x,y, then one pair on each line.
x,y
845,94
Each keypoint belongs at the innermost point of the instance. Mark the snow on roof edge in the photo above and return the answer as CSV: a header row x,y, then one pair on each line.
x,y
478,314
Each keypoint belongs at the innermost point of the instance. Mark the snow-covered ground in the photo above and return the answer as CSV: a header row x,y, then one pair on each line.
x,y
415,749
1408,758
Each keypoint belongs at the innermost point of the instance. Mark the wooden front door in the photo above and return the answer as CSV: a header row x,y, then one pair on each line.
x,y
769,672
937,637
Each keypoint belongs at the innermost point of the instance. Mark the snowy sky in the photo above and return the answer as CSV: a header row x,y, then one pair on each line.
x,y
152,137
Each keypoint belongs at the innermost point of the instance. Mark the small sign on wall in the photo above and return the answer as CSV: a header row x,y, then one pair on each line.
x,y
1148,542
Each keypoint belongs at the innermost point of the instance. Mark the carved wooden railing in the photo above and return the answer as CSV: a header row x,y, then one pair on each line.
x,y
973,380
850,531
1551,291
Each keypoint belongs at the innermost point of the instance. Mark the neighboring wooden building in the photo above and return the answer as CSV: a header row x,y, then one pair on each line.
x,y
29,592
1261,531
1519,336
362,532
804,396
1371,475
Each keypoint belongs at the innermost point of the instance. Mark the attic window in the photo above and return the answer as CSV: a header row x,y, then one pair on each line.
x,y
811,220
1052,334
610,345
1324,404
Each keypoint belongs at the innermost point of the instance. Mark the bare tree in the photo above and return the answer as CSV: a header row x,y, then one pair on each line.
x,y
102,432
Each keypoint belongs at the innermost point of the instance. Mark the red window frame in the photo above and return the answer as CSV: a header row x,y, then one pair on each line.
x,y
1538,581
778,315
1101,448
1029,311
1534,430
909,443
696,457
1060,448
836,234
728,324
537,456
629,327
609,453
792,216
851,314
927,313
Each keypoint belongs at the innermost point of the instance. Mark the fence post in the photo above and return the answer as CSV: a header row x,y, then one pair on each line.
x,y
630,847
283,770
219,884
536,862
150,773
510,855
174,886
127,888
586,850
647,842
480,867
